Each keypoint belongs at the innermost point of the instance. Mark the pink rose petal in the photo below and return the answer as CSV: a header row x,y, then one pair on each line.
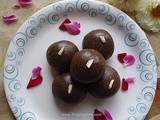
x,y
25,2
98,115
76,24
9,17
36,77
129,60
36,72
73,28
17,6
130,80
107,115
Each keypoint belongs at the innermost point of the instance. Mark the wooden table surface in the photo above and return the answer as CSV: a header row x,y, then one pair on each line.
x,y
7,31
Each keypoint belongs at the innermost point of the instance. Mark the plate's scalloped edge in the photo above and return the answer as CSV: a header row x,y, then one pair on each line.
x,y
52,14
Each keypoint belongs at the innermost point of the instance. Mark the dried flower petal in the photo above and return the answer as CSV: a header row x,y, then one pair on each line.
x,y
130,80
25,2
98,115
36,72
34,82
121,57
36,77
62,26
107,115
73,28
10,18
17,6
124,86
129,60
76,24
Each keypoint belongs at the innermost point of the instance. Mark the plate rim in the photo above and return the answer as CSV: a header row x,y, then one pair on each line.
x,y
47,7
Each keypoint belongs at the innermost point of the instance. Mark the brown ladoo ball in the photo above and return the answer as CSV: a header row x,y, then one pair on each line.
x,y
99,40
87,66
107,86
67,91
59,54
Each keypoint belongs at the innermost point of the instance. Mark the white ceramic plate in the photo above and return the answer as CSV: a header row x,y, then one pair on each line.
x,y
28,50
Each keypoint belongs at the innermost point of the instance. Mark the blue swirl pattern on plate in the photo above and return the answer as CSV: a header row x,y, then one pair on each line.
x,y
132,39
16,111
20,39
146,66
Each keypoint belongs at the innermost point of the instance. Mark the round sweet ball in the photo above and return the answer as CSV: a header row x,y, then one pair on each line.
x,y
99,40
59,54
87,66
68,91
107,86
